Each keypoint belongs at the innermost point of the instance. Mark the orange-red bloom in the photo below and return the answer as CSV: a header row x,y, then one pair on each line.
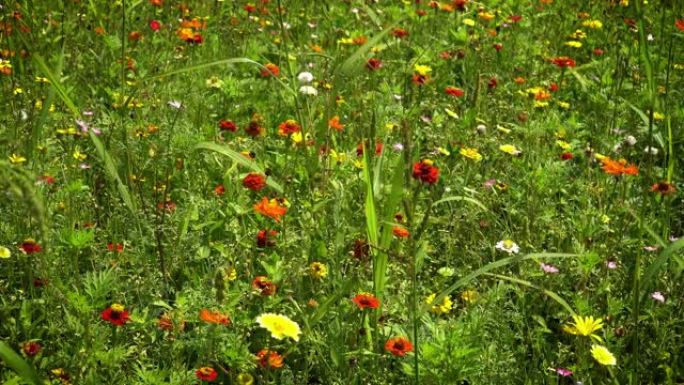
x,y
211,317
453,91
264,238
206,374
366,301
663,188
270,359
419,79
116,315
374,64
289,127
264,285
563,61
426,172
335,124
680,24
399,346
254,181
270,70
30,246
400,232
620,167
270,208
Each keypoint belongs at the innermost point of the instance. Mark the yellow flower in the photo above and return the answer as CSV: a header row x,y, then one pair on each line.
x,y
584,326
18,91
279,326
442,308
422,69
578,35
540,104
443,151
658,116
318,270
339,157
245,379
78,155
564,105
469,296
297,137
602,355
573,44
17,159
469,22
231,273
471,153
486,16
117,307
509,149
5,253
593,24
563,144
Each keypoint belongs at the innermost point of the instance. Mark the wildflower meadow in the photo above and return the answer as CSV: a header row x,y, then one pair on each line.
x,y
341,192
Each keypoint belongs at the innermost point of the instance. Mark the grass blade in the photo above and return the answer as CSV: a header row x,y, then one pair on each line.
x,y
19,365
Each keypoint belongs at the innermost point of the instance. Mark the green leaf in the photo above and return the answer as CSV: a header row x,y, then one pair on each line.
x,y
548,293
19,365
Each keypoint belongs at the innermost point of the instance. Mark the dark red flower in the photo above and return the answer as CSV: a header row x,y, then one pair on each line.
x,y
206,374
118,247
265,238
566,156
680,24
30,246
553,87
47,179
134,36
361,249
374,64
563,62
39,282
492,83
400,33
663,188
453,91
116,315
426,172
227,125
31,348
366,301
254,128
254,181
515,18
399,346
155,25
419,79
598,52
220,190
378,149
264,285
498,47
460,4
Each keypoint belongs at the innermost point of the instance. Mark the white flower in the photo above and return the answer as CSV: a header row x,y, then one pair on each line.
x,y
658,296
308,90
651,150
508,246
305,77
630,140
175,104
481,129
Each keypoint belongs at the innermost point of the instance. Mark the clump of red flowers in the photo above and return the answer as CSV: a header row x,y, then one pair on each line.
x,y
680,24
206,374
118,247
425,171
399,346
265,238
254,181
116,315
366,301
566,156
400,33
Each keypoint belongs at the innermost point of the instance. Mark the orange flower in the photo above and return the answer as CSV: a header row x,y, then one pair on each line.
x,y
270,70
335,124
208,316
400,232
366,301
620,167
680,24
270,208
663,188
270,359
399,346
289,127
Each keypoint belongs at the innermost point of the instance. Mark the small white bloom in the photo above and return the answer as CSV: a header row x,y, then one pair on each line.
x,y
650,37
508,246
308,90
658,296
305,77
651,150
175,104
355,10
398,147
481,129
630,140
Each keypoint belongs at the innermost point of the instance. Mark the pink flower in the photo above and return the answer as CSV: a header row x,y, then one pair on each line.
x,y
658,296
612,265
651,248
564,372
155,25
549,269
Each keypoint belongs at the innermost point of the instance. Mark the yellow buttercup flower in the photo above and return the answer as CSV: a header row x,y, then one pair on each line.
x,y
563,144
584,326
593,24
471,153
17,159
5,253
279,326
602,355
422,69
318,270
509,149
442,308
573,44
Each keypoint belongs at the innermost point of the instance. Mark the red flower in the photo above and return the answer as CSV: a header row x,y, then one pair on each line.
x,y
271,208
361,249
400,232
553,87
116,315
426,172
254,181
227,125
446,55
373,64
31,348
492,83
134,36
419,79
289,127
249,8
270,70
335,124
30,246
366,301
498,47
155,25
214,317
453,91
680,24
399,346
566,156
460,4
563,62
270,359
378,149
264,285
47,179
254,128
264,238
220,190
515,18
598,52
663,188
118,247
400,33
206,374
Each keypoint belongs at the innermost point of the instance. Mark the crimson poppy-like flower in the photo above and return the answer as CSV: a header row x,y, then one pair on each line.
x,y
31,348
663,188
270,70
265,238
425,171
270,359
206,374
399,33
254,181
455,92
227,125
400,232
374,64
289,127
566,156
366,301
563,62
116,315
679,23
419,79
399,346
118,247
155,25
492,83
264,285
30,246
220,190
498,47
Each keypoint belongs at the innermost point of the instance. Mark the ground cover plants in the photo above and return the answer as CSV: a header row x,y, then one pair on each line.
x,y
341,192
